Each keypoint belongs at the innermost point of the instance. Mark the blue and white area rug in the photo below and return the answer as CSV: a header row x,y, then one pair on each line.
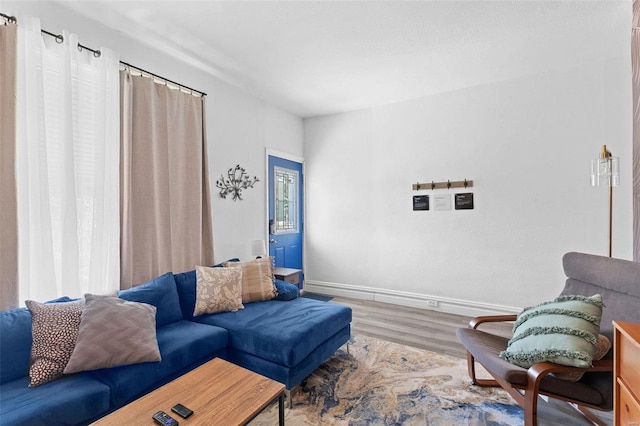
x,y
383,383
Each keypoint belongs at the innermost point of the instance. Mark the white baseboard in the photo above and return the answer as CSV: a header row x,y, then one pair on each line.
x,y
415,300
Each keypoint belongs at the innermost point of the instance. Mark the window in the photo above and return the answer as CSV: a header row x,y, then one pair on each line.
x,y
286,199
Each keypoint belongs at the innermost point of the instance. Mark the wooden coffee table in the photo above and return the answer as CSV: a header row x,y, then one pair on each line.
x,y
218,392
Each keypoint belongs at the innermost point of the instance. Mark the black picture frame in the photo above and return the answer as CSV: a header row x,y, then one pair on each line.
x,y
420,202
464,201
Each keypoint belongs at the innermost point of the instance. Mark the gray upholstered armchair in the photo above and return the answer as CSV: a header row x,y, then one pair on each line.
x,y
618,282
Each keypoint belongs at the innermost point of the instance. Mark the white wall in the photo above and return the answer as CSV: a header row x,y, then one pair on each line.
x,y
527,145
240,127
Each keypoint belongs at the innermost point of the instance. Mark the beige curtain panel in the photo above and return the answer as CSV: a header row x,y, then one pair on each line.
x,y
635,81
165,201
8,212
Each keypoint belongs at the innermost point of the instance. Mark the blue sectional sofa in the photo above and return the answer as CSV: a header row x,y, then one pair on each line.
x,y
285,339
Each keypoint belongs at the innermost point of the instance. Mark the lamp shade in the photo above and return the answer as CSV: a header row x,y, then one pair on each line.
x,y
605,170
258,248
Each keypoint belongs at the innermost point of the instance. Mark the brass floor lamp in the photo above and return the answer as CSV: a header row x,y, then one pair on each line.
x,y
605,171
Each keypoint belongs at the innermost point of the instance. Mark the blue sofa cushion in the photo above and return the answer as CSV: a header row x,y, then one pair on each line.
x,y
160,292
63,299
181,343
15,344
286,291
292,376
186,285
71,400
281,332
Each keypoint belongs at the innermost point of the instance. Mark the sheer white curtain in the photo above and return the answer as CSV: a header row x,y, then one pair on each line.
x,y
67,166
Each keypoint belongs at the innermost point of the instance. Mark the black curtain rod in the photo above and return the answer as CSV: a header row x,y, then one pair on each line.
x,y
10,19
59,39
162,78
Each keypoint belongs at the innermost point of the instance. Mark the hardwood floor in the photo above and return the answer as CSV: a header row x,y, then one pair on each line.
x,y
420,328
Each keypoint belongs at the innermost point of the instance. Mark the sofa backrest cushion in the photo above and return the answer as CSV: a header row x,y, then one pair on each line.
x,y
160,292
15,344
186,285
616,280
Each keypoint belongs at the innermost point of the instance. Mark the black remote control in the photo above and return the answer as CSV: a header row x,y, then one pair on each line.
x,y
164,419
181,410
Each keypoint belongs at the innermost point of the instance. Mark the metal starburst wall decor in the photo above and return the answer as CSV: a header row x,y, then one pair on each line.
x,y
237,179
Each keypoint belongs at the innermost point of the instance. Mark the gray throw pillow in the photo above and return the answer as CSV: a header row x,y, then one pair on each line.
x,y
114,332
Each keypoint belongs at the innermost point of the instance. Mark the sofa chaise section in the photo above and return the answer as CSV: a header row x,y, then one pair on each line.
x,y
284,340
284,334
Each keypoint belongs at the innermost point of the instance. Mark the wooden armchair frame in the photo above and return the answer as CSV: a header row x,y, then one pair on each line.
x,y
527,396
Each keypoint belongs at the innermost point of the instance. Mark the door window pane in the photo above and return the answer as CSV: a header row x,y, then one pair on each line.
x,y
286,200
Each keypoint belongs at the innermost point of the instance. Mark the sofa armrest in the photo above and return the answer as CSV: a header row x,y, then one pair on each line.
x,y
537,371
475,322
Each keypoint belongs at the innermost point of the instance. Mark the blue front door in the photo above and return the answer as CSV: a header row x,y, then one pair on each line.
x,y
285,212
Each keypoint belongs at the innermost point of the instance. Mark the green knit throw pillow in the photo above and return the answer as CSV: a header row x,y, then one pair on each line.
x,y
563,331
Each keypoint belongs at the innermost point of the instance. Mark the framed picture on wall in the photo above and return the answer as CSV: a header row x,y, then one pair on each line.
x,y
464,201
420,202
442,202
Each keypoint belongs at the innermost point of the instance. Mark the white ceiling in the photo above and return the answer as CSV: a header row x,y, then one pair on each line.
x,y
320,57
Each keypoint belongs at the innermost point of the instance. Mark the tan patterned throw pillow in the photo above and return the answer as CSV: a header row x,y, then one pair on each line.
x,y
218,290
257,279
55,330
114,332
